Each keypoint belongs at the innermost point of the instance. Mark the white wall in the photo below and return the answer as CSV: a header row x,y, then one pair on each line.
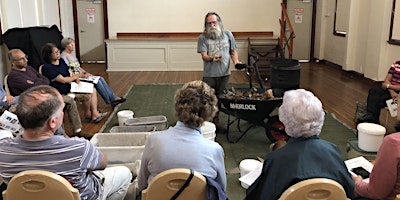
x,y
364,49
26,13
67,18
188,15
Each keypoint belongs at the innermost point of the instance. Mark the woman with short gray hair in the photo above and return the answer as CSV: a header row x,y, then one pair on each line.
x,y
302,114
305,155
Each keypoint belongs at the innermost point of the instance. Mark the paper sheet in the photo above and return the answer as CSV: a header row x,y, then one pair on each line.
x,y
9,121
359,162
82,87
250,177
91,79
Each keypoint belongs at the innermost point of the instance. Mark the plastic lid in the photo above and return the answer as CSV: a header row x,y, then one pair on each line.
x,y
249,164
372,129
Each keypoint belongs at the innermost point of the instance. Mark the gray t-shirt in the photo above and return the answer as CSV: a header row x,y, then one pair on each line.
x,y
222,47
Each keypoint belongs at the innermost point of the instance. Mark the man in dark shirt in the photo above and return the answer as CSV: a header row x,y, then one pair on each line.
x,y
23,77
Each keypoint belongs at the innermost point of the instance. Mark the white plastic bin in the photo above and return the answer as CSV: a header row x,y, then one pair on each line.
x,y
119,139
122,155
121,148
370,136
132,129
159,121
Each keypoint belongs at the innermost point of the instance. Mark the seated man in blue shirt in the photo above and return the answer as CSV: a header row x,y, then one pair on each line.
x,y
6,99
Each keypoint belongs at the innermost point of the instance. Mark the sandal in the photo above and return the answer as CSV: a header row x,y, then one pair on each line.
x,y
89,119
101,117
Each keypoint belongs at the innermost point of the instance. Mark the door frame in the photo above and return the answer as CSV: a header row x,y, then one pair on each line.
x,y
76,25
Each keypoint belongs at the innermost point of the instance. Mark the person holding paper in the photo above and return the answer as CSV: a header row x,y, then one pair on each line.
x,y
57,71
384,179
183,146
305,155
6,99
22,77
377,96
101,85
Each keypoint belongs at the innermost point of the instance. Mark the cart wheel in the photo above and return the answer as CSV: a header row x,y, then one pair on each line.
x,y
272,134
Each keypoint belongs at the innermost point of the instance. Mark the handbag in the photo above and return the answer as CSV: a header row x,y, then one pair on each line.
x,y
361,111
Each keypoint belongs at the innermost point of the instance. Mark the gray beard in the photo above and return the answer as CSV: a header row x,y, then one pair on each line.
x,y
214,33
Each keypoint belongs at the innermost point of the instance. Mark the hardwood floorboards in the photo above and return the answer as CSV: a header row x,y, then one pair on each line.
x,y
337,89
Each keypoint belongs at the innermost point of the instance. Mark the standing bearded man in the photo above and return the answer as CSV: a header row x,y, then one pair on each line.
x,y
216,45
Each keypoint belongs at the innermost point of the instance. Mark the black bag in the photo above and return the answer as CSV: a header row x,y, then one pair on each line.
x,y
361,111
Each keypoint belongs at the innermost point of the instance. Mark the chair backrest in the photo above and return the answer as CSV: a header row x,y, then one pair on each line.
x,y
40,70
314,189
6,85
39,185
166,184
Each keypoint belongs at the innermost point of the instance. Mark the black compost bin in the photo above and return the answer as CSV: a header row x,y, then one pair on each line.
x,y
285,74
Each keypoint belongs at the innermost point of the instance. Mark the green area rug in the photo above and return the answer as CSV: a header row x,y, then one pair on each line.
x,y
151,100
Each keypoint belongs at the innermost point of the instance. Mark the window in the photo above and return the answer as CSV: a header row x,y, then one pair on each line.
x,y
341,20
394,33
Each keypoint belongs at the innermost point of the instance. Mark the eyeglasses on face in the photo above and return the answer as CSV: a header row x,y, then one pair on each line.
x,y
22,58
212,23
56,52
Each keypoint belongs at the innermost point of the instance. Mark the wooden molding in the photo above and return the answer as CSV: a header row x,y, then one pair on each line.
x,y
187,35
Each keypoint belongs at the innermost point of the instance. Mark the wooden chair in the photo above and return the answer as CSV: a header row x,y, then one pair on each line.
x,y
6,85
166,184
315,189
40,69
39,185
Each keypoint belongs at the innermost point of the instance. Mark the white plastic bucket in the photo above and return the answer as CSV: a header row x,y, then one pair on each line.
x,y
123,115
246,166
370,136
208,130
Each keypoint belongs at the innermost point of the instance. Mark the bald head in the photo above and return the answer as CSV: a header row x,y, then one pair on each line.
x,y
37,105
18,58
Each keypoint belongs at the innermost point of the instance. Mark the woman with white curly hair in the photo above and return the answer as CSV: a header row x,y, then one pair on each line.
x,y
183,146
305,155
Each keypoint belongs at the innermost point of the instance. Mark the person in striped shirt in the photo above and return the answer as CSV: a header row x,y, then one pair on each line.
x,y
40,112
377,96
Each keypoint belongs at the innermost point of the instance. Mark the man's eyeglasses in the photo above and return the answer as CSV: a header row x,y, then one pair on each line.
x,y
23,58
212,23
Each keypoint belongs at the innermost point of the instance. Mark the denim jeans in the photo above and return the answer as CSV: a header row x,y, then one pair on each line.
x,y
5,104
105,91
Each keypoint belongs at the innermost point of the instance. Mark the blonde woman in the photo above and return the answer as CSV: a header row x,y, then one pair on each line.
x,y
101,86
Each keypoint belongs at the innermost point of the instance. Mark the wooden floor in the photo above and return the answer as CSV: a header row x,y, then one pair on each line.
x,y
337,89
